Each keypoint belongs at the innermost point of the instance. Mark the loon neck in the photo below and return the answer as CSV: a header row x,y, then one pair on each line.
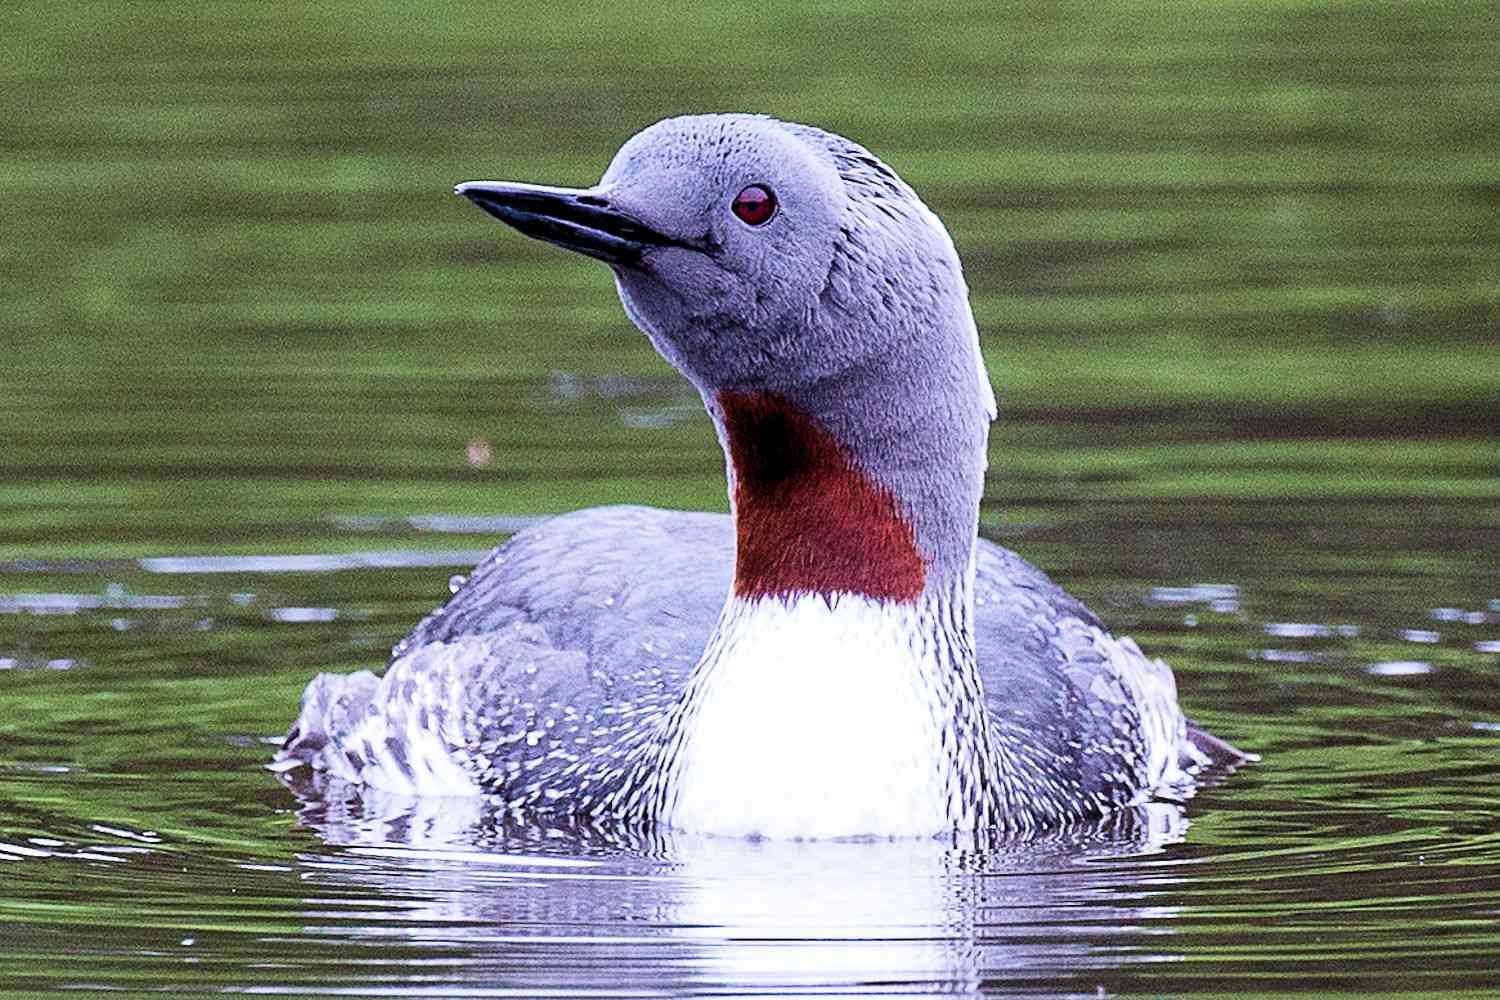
x,y
816,513
839,694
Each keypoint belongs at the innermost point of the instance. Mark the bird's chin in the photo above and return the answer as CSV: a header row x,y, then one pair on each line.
x,y
645,299
652,303
642,295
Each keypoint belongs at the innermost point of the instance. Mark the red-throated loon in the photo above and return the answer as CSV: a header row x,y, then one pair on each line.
x,y
841,656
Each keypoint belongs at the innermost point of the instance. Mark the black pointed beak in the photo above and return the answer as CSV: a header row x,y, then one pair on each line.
x,y
573,219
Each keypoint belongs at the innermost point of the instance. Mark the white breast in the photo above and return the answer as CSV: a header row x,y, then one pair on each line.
x,y
814,720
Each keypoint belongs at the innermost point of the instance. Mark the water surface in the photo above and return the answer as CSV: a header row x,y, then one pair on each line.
x,y
267,386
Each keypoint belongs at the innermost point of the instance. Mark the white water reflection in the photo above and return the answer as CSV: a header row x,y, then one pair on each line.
x,y
1400,668
897,918
113,598
1197,593
311,562
302,616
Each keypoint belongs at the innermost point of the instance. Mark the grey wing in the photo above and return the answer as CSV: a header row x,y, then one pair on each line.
x,y
613,583
545,670
1084,722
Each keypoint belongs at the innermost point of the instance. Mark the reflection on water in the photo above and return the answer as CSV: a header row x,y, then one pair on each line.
x,y
309,563
776,916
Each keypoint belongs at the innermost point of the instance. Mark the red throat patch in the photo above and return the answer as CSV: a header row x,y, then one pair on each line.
x,y
806,519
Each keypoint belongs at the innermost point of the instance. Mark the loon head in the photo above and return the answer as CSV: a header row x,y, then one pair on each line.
x,y
820,309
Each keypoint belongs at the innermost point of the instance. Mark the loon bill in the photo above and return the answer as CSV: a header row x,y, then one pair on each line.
x,y
839,656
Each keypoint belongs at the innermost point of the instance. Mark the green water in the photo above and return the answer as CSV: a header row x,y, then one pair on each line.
x,y
1237,279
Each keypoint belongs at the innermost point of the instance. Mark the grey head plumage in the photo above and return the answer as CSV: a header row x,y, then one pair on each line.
x,y
848,301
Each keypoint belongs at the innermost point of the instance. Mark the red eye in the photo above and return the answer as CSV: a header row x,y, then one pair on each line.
x,y
755,205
